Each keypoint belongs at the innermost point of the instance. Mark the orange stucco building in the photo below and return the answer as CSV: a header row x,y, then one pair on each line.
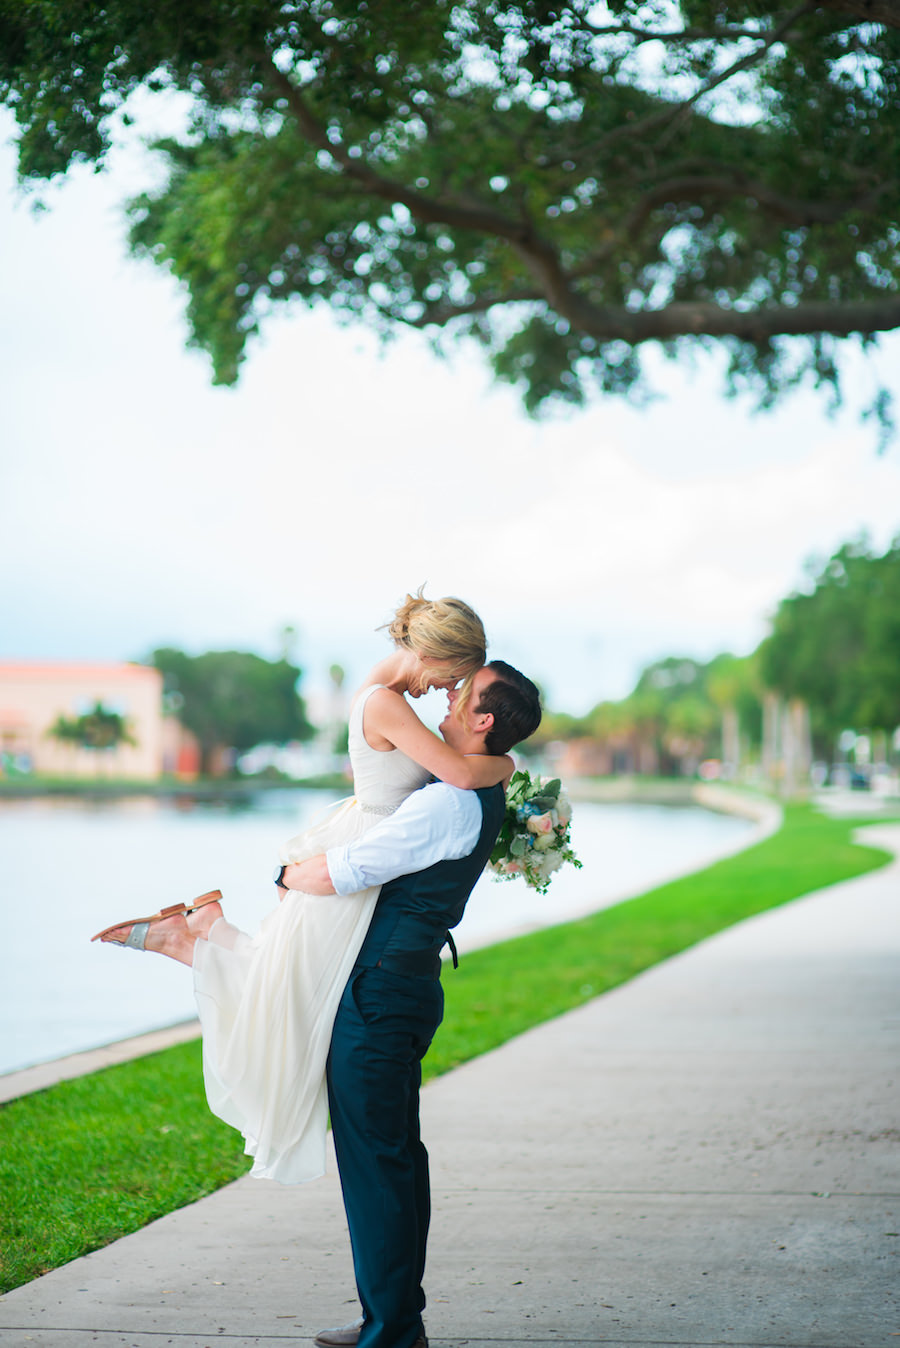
x,y
33,695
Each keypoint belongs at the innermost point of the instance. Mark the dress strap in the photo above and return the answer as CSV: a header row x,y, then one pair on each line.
x,y
358,709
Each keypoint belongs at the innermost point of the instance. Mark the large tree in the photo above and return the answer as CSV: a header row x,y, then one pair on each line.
x,y
233,699
836,642
564,182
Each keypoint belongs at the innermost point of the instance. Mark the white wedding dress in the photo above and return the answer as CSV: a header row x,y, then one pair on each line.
x,y
267,1003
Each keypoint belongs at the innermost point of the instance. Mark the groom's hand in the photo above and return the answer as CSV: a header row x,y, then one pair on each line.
x,y
310,876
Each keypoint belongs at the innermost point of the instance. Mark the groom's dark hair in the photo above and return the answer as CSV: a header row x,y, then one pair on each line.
x,y
515,704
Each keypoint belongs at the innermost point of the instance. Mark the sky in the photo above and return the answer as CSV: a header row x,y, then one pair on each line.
x,y
143,507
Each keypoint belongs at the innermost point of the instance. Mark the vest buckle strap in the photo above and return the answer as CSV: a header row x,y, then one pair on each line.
x,y
452,944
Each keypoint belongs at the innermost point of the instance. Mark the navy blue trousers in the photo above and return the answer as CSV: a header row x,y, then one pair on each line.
x,y
384,1025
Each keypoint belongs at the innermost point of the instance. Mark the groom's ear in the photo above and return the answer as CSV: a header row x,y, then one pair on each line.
x,y
482,722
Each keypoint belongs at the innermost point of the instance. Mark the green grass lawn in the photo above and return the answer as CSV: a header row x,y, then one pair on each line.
x,y
93,1159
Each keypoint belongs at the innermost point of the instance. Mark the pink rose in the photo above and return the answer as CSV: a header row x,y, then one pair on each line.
x,y
540,823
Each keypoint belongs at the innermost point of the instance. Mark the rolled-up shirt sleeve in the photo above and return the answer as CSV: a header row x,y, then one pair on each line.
x,y
437,823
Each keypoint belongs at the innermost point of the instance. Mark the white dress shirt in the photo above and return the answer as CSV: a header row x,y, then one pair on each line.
x,y
437,823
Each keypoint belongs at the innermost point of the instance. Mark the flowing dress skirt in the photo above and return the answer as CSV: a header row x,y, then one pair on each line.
x,y
267,1005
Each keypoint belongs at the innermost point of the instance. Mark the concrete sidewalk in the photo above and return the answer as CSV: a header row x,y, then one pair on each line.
x,y
705,1156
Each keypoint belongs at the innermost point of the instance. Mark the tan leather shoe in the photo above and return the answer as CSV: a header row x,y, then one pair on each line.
x,y
345,1336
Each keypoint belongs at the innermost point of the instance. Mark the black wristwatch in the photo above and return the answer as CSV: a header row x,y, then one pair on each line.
x,y
278,877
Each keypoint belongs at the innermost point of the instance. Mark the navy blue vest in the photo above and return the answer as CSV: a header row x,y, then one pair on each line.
x,y
415,912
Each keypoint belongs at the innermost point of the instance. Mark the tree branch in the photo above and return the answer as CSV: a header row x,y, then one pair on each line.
x,y
439,315
555,286
793,210
423,207
700,319
885,12
767,41
670,117
713,34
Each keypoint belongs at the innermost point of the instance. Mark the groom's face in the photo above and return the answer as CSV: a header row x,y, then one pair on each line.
x,y
459,725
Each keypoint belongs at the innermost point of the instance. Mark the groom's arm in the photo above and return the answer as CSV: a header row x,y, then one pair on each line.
x,y
438,823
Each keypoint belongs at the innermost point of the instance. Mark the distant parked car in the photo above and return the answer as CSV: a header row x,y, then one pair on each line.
x,y
849,777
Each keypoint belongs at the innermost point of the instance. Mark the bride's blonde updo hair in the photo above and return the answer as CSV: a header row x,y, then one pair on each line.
x,y
446,631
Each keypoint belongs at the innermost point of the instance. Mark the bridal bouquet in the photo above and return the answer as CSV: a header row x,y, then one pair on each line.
x,y
534,839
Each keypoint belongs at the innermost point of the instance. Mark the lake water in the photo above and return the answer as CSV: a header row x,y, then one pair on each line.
x,y
70,867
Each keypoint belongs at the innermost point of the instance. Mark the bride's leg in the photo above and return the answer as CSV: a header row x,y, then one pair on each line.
x,y
201,919
223,933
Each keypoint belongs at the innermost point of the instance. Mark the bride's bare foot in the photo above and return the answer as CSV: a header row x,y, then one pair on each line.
x,y
168,936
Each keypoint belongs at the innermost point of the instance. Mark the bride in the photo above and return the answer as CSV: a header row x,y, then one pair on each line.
x,y
267,1003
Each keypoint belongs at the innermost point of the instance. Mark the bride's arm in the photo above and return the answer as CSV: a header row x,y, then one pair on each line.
x,y
390,716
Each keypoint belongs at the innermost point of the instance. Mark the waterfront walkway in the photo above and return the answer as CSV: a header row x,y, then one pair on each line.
x,y
705,1156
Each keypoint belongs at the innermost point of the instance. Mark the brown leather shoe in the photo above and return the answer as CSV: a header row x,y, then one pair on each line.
x,y
345,1336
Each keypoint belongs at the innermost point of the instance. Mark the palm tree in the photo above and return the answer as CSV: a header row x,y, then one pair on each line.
x,y
100,730
733,685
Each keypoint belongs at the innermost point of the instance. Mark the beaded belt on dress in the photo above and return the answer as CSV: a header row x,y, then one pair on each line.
x,y
376,809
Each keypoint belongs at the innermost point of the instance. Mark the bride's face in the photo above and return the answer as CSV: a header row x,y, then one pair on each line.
x,y
428,673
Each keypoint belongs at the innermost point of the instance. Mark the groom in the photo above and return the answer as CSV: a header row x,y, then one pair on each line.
x,y
427,857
